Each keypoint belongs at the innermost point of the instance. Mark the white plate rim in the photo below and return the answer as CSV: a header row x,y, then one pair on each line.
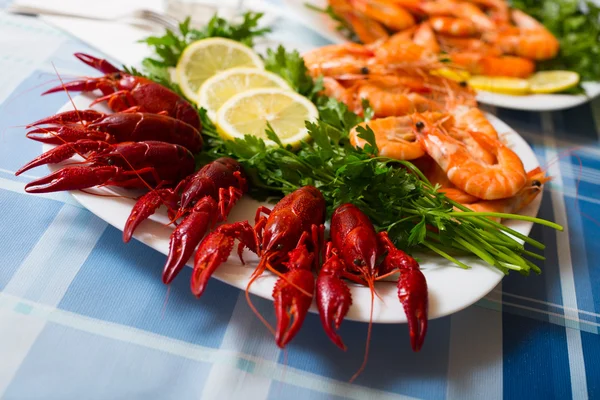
x,y
439,273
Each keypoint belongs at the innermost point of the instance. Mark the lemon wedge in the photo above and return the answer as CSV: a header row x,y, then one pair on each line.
x,y
552,81
452,74
219,88
514,86
248,113
204,58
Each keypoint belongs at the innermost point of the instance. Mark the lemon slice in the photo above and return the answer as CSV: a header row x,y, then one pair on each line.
x,y
248,113
216,90
204,58
552,81
453,74
514,86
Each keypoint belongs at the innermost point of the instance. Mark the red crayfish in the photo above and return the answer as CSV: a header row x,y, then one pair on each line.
x,y
287,238
70,126
356,252
201,199
124,91
127,164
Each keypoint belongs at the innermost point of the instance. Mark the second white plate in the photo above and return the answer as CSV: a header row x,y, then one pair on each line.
x,y
326,27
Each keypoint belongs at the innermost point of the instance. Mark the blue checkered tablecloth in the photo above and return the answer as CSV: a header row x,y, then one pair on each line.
x,y
83,316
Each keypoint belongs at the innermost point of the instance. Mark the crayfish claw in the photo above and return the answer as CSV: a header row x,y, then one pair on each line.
x,y
215,249
69,117
291,303
143,209
100,64
71,178
333,301
412,292
187,235
211,253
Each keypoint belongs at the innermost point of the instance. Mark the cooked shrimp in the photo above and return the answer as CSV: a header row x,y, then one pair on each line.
x,y
452,44
425,37
453,26
535,179
463,10
337,59
398,51
367,29
481,64
531,39
459,124
487,181
386,12
394,137
387,98
472,119
332,88
498,10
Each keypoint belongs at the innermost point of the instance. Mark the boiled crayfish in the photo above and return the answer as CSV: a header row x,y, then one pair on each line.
x,y
287,238
358,253
70,126
128,164
126,92
202,199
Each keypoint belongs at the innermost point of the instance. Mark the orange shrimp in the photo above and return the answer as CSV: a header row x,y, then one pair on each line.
x,y
452,44
425,37
398,51
453,26
365,28
488,181
481,64
333,88
531,39
463,10
471,119
337,59
498,10
459,124
394,138
386,12
535,179
388,97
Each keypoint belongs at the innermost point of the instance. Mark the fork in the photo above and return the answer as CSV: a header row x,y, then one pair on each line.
x,y
163,20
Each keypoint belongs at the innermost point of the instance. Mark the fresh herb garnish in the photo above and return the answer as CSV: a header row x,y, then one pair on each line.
x,y
168,47
290,66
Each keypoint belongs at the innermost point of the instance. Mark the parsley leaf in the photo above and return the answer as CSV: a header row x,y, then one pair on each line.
x,y
290,66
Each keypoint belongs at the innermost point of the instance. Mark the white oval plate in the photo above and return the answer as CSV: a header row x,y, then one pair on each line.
x,y
450,288
326,27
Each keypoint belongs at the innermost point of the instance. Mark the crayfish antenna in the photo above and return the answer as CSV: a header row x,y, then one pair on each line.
x,y
257,272
371,284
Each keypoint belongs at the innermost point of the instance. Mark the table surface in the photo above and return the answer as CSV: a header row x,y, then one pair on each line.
x,y
83,315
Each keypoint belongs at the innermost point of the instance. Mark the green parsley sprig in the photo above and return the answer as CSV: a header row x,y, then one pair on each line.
x,y
168,47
